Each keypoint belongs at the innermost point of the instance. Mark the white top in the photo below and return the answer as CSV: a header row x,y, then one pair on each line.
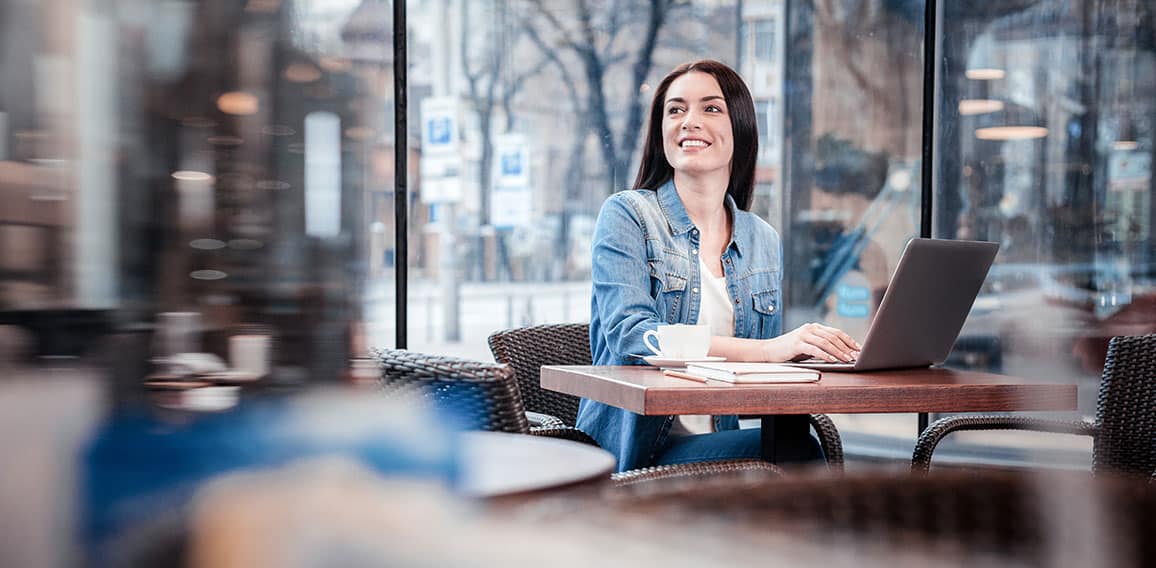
x,y
714,310
715,307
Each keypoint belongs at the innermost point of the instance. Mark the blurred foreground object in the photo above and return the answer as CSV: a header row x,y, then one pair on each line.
x,y
947,518
143,466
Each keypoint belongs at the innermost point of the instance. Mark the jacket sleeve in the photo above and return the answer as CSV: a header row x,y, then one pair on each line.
x,y
621,279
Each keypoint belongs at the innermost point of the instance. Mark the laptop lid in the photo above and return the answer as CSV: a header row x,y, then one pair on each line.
x,y
925,305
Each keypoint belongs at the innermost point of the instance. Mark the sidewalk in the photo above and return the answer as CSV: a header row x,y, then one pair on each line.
x,y
484,307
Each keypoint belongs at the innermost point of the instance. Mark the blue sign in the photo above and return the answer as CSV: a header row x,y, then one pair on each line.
x,y
852,310
439,129
512,163
853,293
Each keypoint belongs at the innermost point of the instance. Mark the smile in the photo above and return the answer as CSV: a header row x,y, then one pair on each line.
x,y
692,143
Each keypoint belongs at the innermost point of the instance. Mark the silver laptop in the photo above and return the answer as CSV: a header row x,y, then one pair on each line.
x,y
923,310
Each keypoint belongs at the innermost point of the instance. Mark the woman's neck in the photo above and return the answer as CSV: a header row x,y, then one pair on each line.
x,y
704,199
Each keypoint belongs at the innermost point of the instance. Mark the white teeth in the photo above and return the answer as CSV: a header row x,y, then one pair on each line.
x,y
696,143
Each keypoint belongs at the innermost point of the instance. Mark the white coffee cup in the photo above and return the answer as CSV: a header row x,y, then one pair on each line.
x,y
679,341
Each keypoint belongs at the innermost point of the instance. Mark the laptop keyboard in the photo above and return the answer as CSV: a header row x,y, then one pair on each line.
x,y
816,361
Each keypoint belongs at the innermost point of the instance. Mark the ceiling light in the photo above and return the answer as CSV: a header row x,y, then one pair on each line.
x,y
1125,145
985,74
335,63
207,275
968,107
238,102
1011,133
359,132
302,73
207,244
191,175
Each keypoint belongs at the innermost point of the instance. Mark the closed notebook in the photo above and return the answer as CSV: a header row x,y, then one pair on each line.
x,y
752,372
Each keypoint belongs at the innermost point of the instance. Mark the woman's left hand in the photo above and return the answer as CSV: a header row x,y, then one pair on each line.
x,y
812,340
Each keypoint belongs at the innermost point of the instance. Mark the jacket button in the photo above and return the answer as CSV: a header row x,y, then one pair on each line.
x,y
736,301
695,290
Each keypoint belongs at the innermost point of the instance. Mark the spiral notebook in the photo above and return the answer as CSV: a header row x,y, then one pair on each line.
x,y
733,372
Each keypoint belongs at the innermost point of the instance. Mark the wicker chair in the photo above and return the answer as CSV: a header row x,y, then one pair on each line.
x,y
1125,424
486,397
526,349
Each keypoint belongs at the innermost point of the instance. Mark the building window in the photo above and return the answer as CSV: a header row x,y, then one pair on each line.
x,y
763,39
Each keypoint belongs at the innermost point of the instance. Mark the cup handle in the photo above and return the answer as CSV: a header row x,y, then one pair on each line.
x,y
646,339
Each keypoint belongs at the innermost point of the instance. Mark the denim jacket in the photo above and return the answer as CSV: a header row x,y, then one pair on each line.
x,y
646,273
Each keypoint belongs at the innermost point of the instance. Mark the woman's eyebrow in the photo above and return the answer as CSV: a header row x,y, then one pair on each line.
x,y
703,100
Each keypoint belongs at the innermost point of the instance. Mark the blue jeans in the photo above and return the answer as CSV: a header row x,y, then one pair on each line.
x,y
735,444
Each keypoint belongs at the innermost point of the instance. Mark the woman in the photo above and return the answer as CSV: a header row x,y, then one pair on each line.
x,y
682,248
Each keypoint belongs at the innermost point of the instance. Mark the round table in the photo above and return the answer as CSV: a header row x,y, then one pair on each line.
x,y
496,464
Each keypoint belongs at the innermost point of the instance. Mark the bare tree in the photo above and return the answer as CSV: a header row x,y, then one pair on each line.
x,y
592,37
492,82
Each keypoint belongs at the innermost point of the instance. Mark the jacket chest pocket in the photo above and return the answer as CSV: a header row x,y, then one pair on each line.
x,y
668,276
766,313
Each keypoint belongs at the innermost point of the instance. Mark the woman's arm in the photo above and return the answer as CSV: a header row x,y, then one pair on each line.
x,y
808,340
621,279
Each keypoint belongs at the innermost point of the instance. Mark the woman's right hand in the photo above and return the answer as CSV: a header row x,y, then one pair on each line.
x,y
813,340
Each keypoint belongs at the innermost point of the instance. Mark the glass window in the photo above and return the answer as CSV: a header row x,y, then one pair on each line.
x,y
230,160
1045,144
539,114
851,149
763,31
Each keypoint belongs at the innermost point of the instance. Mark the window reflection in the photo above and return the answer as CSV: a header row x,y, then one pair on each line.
x,y
157,158
1046,146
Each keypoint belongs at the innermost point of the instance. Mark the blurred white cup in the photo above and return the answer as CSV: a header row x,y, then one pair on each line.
x,y
250,353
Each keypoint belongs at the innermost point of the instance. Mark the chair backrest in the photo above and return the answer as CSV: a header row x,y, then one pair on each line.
x,y
526,349
1126,408
1019,517
483,395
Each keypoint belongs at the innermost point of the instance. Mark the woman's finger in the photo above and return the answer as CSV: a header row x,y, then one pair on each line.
x,y
817,352
834,344
842,336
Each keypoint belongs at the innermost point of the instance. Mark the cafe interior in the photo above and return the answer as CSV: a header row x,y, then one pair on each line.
x,y
308,283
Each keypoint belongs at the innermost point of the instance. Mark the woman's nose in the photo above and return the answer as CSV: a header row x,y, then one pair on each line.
x,y
689,121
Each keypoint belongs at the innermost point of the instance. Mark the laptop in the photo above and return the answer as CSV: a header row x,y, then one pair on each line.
x,y
924,307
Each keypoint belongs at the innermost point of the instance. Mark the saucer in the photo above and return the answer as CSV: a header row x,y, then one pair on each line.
x,y
659,361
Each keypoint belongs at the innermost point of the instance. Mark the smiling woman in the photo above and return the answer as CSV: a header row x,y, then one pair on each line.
x,y
682,248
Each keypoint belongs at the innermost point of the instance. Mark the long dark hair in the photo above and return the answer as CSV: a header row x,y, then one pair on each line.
x,y
655,170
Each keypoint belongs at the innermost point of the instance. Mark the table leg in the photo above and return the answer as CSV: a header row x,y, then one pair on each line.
x,y
785,438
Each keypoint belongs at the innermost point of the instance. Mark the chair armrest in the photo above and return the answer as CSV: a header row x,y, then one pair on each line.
x,y
540,420
693,470
929,439
564,432
830,441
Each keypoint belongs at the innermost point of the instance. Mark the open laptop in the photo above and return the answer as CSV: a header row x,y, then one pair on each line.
x,y
923,310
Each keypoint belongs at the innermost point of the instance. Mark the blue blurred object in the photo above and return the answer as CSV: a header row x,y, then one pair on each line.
x,y
139,467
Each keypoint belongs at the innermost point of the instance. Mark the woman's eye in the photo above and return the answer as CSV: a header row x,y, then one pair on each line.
x,y
713,108
673,110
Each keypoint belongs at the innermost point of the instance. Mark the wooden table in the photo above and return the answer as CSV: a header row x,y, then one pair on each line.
x,y
495,464
645,390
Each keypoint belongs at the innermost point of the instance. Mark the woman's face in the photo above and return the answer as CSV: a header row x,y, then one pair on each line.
x,y
697,137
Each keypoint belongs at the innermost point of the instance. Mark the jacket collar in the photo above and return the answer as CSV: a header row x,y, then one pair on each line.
x,y
679,220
